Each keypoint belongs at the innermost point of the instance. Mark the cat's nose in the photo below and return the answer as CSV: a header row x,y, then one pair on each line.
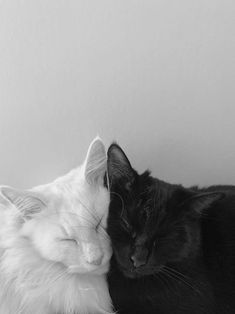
x,y
137,262
96,260
93,254
139,256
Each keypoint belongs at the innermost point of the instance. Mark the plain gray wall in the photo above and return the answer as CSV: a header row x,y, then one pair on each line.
x,y
157,76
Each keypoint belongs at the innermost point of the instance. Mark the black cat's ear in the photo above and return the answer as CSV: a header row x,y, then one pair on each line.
x,y
119,166
26,202
202,201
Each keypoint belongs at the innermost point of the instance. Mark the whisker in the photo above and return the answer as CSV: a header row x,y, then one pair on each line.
x,y
179,277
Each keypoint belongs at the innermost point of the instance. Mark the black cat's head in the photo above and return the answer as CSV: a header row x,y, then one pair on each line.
x,y
151,223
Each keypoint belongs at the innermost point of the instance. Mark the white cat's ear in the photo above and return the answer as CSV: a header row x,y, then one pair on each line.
x,y
26,202
95,164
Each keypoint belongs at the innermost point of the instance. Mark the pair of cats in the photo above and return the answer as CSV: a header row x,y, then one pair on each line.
x,y
174,247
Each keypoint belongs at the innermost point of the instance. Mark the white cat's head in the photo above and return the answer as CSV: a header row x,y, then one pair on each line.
x,y
64,221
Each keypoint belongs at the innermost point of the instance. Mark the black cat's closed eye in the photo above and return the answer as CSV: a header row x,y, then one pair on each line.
x,y
144,215
126,224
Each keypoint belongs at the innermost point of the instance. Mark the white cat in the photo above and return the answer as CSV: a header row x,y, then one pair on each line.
x,y
54,250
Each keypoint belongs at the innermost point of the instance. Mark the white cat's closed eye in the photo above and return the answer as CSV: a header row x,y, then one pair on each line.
x,y
69,240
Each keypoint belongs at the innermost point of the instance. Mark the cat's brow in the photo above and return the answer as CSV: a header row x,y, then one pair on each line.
x,y
103,231
94,215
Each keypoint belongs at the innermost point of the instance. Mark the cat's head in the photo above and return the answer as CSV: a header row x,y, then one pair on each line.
x,y
64,221
151,223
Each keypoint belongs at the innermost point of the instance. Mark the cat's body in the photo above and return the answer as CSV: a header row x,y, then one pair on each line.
x,y
174,248
54,251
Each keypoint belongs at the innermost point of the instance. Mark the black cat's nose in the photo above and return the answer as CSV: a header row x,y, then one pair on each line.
x,y
137,262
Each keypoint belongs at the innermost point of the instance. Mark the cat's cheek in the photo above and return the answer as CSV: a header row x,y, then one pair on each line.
x,y
122,255
108,252
70,256
52,252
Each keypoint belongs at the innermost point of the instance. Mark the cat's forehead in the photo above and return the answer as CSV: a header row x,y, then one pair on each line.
x,y
149,197
145,192
83,202
69,199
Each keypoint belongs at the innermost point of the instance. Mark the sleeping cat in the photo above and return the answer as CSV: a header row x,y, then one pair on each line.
x,y
54,249
174,247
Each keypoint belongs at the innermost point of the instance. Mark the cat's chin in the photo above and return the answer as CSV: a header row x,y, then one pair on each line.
x,y
103,269
135,273
131,274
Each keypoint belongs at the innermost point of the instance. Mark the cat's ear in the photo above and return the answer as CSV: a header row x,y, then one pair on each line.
x,y
95,164
202,201
26,202
119,167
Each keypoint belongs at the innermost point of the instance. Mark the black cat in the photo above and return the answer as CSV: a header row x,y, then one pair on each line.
x,y
174,247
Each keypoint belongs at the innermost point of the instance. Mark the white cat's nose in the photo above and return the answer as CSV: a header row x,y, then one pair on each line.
x,y
97,260
93,254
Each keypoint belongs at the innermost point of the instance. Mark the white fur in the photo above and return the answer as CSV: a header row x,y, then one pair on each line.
x,y
54,251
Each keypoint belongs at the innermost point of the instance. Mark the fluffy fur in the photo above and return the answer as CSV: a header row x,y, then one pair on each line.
x,y
54,249
174,247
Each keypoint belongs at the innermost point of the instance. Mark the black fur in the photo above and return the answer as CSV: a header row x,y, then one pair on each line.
x,y
174,248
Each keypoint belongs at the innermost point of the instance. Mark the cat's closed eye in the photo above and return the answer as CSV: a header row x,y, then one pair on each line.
x,y
126,224
69,240
144,214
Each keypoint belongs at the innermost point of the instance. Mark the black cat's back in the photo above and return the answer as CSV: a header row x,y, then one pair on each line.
x,y
218,243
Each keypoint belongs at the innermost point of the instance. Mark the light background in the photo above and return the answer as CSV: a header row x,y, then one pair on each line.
x,y
157,76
